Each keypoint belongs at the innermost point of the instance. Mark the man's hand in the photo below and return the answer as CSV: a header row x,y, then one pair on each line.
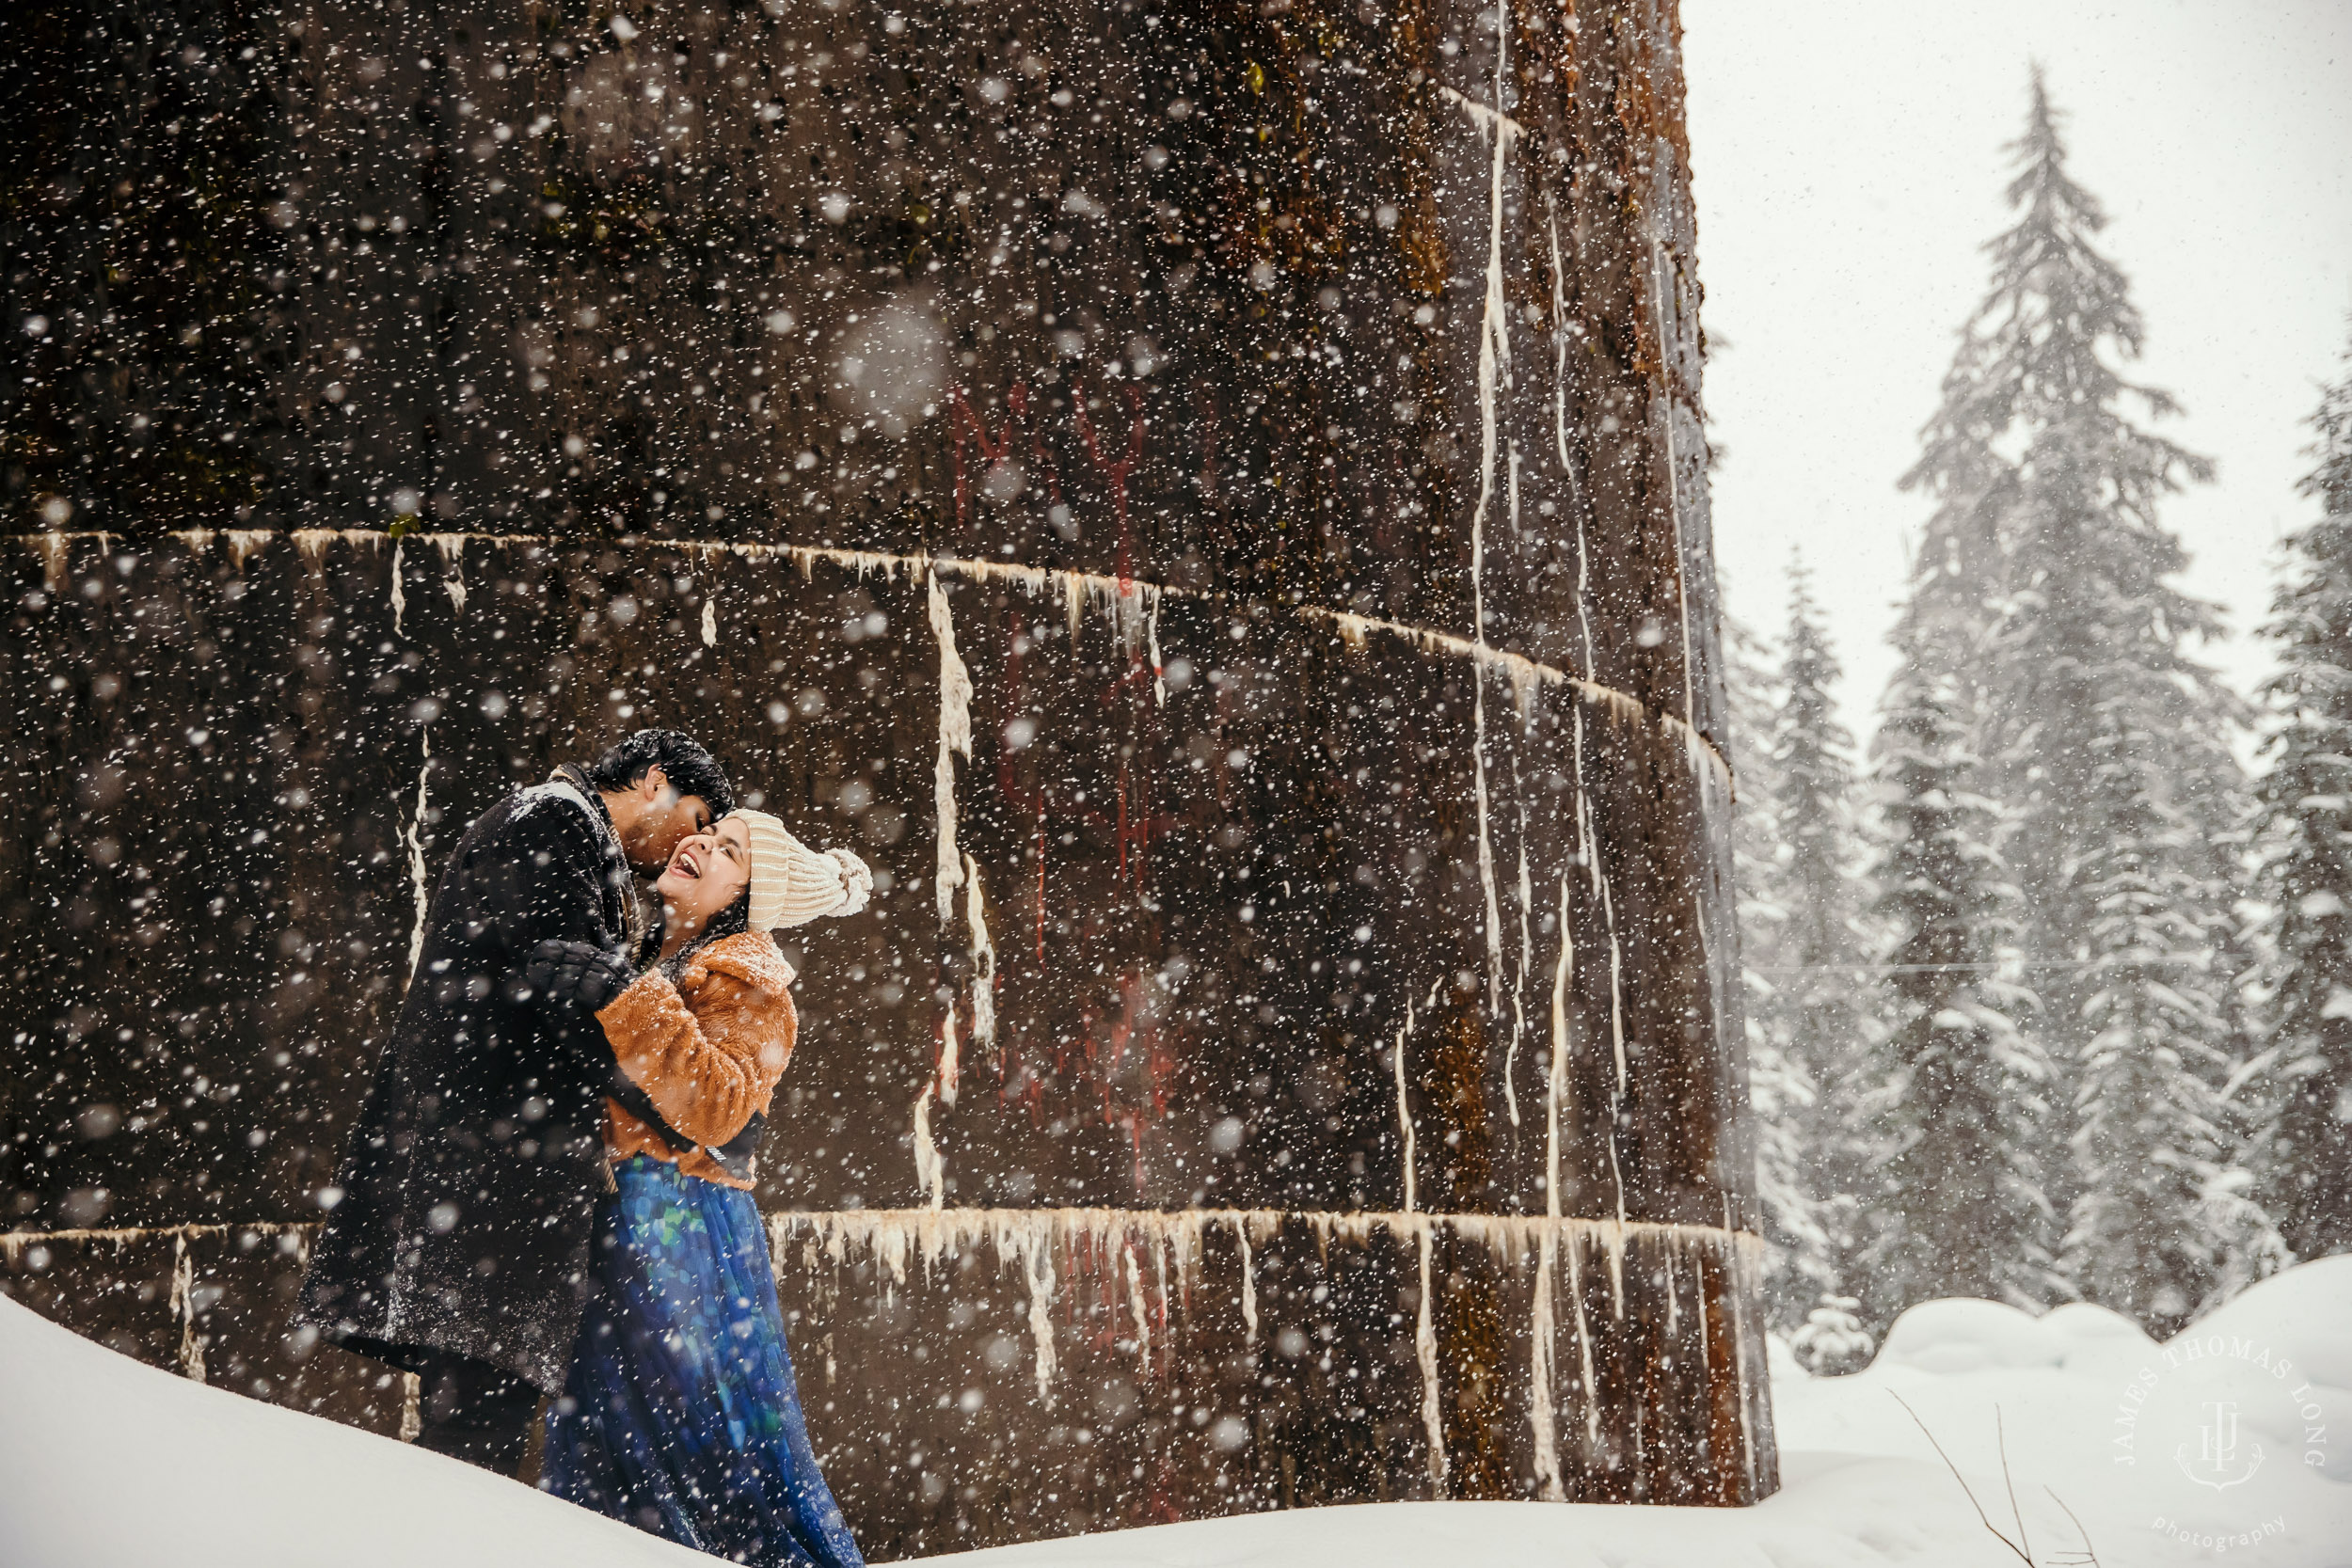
x,y
576,972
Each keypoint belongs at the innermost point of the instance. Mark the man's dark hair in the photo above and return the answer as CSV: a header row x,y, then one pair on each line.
x,y
681,758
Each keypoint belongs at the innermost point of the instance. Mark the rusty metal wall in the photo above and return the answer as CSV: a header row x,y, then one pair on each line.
x,y
1309,1072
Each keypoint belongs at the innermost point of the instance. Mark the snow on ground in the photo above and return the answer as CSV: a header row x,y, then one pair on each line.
x,y
2278,1360
103,1461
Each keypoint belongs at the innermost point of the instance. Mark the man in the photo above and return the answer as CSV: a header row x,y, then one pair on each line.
x,y
458,1246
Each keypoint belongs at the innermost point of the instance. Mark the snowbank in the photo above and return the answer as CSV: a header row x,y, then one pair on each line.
x,y
103,1461
2281,1354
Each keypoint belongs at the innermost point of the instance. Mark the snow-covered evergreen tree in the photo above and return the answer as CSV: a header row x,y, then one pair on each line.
x,y
1958,1102
1810,967
2045,594
1796,1269
2305,845
2161,1227
1833,1342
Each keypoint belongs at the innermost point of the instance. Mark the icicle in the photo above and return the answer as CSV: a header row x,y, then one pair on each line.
x,y
1612,1232
312,542
1747,1270
984,962
932,1240
1249,1281
55,559
1404,1107
400,596
931,1167
1494,360
453,548
1616,973
415,835
1560,423
893,1237
1523,673
1157,1236
955,735
1527,958
1486,844
1039,1264
710,621
1698,1305
1540,1414
1425,1350
1136,1309
184,1307
888,1236
1561,975
245,542
411,1416
950,1061
1583,1348
1617,1039
1159,675
1183,1240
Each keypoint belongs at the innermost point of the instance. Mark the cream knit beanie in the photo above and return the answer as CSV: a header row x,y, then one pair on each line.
x,y
791,883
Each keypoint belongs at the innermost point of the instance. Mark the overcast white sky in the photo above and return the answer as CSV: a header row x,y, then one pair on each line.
x,y
1847,160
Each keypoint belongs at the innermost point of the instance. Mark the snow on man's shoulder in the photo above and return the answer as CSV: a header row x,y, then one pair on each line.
x,y
528,801
558,807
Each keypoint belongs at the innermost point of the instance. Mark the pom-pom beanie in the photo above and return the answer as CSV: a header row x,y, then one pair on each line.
x,y
791,883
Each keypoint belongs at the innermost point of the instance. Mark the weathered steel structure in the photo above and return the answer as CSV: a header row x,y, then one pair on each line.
x,y
1210,499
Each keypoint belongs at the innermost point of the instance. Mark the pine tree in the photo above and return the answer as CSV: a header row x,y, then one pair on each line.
x,y
1811,1021
1959,1091
2305,847
2031,378
1796,1268
2160,1228
2115,747
2043,594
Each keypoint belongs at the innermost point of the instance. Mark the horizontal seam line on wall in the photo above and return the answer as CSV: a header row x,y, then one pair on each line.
x,y
1351,627
1394,1219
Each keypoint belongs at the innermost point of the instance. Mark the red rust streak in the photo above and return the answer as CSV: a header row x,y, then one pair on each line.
x,y
1116,472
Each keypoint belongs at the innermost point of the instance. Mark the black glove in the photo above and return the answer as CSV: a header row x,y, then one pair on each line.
x,y
576,972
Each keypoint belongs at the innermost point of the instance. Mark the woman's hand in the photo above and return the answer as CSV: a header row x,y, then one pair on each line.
x,y
577,971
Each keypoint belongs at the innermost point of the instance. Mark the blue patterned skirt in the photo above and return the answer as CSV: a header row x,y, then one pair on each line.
x,y
681,1416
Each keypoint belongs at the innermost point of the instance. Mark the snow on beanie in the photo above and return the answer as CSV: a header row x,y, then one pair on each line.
x,y
791,883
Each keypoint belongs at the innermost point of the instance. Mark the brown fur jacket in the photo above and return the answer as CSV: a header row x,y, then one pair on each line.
x,y
707,1050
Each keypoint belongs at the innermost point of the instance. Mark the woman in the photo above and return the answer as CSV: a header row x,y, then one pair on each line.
x,y
680,1414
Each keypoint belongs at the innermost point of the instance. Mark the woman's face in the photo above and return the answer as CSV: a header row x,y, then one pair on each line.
x,y
706,873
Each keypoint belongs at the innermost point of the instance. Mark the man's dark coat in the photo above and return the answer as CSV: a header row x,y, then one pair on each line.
x,y
469,1182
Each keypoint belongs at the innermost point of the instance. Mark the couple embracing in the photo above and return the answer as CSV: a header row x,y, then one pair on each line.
x,y
549,1189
